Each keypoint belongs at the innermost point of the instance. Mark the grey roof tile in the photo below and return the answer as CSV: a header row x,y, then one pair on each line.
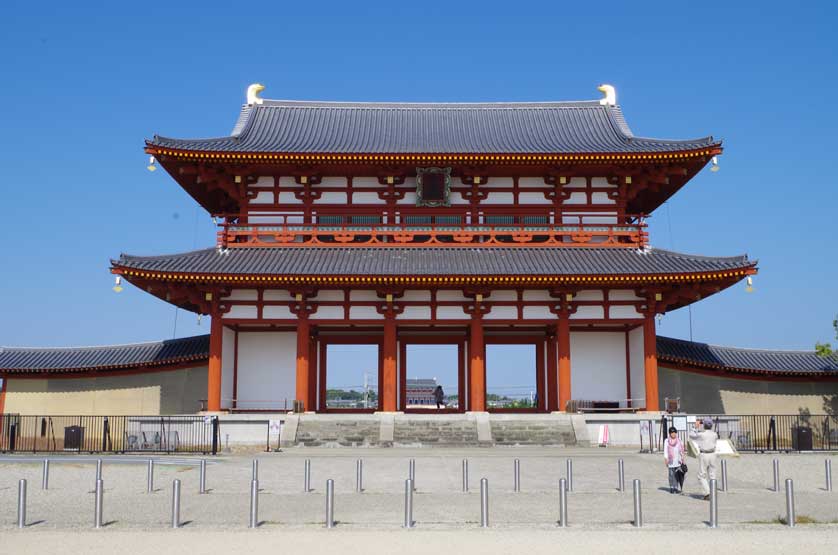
x,y
433,128
455,261
106,357
745,360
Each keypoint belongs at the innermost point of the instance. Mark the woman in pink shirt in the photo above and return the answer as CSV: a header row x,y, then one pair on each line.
x,y
673,452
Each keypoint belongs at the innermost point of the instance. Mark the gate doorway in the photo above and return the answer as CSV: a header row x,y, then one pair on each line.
x,y
427,362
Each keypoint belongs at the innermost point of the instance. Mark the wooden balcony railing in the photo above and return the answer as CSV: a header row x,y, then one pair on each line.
x,y
288,230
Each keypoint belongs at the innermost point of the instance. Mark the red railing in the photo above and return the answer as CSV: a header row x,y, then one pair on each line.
x,y
292,230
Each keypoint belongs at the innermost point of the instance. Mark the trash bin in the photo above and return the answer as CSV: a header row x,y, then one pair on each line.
x,y
73,438
801,439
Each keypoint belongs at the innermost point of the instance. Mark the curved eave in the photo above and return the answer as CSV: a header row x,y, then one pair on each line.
x,y
500,158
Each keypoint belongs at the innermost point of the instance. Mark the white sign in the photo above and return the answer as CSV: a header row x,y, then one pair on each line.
x,y
680,423
275,426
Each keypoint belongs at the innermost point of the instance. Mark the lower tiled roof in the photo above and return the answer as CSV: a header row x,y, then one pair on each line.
x,y
196,349
459,261
756,361
106,357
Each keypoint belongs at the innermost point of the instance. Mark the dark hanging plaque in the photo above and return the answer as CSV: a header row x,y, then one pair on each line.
x,y
433,186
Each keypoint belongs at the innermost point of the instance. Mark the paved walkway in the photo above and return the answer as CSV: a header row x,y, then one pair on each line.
x,y
442,511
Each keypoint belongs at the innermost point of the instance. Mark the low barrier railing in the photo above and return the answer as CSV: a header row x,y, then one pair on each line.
x,y
766,432
108,434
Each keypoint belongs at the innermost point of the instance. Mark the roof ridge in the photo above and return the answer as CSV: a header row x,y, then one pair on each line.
x,y
747,349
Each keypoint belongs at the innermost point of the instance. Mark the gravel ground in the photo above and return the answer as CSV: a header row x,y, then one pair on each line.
x,y
749,508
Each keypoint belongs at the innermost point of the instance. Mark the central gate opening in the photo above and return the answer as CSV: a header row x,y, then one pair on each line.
x,y
428,363
514,374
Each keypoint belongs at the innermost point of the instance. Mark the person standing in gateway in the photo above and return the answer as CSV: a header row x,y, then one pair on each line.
x,y
439,397
705,440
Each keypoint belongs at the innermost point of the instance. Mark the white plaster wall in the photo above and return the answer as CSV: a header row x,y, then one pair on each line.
x,y
501,182
328,313
533,198
598,366
622,295
267,369
278,312
601,182
332,181
623,312
329,295
538,295
263,197
601,198
276,295
524,182
457,199
228,352
499,198
265,181
363,295
450,312
366,198
538,312
449,295
636,357
588,295
503,295
365,182
242,312
287,197
593,312
364,313
242,295
575,198
415,313
288,181
331,197
501,313
423,296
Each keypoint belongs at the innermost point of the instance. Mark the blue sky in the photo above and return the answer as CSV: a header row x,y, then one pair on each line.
x,y
84,83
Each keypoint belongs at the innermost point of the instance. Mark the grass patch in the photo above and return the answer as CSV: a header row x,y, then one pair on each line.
x,y
798,519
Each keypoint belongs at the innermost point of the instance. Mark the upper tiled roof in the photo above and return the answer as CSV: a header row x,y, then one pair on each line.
x,y
106,357
745,360
306,127
460,261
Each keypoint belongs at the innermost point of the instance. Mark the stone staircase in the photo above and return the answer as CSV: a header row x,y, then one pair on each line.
x,y
413,430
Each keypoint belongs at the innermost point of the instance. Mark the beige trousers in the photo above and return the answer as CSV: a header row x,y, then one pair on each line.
x,y
706,470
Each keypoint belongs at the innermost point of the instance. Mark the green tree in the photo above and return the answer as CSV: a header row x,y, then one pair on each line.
x,y
826,349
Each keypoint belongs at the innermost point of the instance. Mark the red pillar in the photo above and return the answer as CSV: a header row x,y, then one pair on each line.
x,y
563,347
302,390
214,367
552,373
388,378
650,360
477,366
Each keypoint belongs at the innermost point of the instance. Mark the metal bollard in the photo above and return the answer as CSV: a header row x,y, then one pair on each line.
x,y
97,510
465,475
307,476
330,503
176,504
21,504
411,473
563,503
408,503
828,467
484,503
254,504
202,479
98,469
638,508
359,475
255,473
569,475
45,475
149,479
776,476
714,504
517,476
621,476
724,476
790,516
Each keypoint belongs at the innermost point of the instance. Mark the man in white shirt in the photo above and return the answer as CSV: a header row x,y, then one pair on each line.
x,y
705,440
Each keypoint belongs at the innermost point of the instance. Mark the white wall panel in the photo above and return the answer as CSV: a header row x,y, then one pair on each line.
x,y
601,182
538,312
365,182
267,369
332,181
602,198
623,312
265,181
331,197
415,313
538,295
576,182
622,295
499,198
329,295
588,295
598,366
503,295
242,295
276,295
364,313
592,312
288,197
501,313
416,296
242,312
636,358
366,198
450,312
228,351
278,312
576,198
328,313
533,198
363,295
449,295
263,197
524,182
500,182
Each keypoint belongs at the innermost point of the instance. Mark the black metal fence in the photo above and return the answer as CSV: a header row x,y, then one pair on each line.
x,y
109,434
764,432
